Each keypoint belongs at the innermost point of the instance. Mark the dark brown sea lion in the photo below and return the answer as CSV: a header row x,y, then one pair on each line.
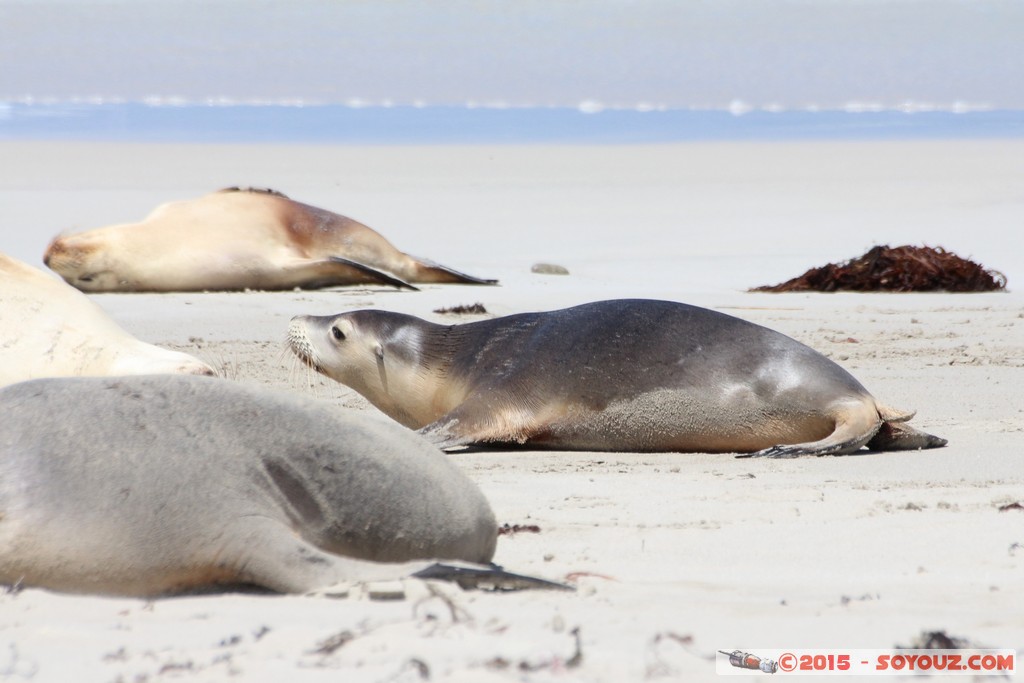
x,y
627,375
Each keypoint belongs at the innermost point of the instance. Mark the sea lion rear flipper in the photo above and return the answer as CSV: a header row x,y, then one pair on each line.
x,y
855,424
890,414
827,446
879,427
896,436
431,271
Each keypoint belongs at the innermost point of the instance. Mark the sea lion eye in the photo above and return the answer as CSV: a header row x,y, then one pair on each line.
x,y
337,333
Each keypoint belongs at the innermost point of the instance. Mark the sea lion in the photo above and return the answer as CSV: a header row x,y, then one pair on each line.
x,y
627,375
238,238
157,485
48,329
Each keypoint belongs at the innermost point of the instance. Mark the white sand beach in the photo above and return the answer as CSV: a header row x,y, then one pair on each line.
x,y
674,556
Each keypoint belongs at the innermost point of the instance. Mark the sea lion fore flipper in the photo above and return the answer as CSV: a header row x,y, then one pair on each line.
x,y
285,563
372,273
476,421
474,576
282,561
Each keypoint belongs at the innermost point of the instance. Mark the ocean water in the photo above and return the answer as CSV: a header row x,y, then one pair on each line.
x,y
342,124
465,71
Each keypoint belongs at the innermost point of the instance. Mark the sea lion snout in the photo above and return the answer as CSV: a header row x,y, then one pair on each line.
x,y
299,342
56,248
197,369
313,338
67,256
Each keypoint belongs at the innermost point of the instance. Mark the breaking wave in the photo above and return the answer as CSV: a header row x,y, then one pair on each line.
x,y
179,119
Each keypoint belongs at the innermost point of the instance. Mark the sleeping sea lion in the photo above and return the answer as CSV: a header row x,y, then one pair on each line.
x,y
238,239
48,329
157,485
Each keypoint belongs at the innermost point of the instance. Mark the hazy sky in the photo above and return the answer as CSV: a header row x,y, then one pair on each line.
x,y
673,52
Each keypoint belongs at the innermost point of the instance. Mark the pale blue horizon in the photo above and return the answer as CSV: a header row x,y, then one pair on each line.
x,y
787,53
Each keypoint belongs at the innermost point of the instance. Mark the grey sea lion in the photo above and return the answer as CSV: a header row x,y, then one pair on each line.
x,y
48,329
626,375
162,484
238,238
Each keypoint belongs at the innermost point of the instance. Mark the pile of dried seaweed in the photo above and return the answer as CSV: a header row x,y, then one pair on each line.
x,y
896,269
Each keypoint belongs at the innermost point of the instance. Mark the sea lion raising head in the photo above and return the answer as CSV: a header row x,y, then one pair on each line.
x,y
628,375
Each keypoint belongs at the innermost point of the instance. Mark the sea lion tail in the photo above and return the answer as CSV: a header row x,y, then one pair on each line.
x,y
430,271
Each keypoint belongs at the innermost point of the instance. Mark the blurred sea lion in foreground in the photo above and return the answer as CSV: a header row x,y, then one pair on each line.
x,y
626,375
157,485
48,329
234,239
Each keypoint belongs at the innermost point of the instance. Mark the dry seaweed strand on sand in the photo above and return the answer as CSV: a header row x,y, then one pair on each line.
x,y
513,529
896,269
462,309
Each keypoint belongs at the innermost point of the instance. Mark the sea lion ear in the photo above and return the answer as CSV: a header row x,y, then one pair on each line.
x,y
378,351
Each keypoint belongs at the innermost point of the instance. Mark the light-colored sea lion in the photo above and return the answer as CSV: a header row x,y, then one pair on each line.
x,y
163,484
628,375
238,239
48,329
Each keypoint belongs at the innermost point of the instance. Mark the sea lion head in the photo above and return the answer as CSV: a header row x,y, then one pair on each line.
x,y
85,261
389,358
337,346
